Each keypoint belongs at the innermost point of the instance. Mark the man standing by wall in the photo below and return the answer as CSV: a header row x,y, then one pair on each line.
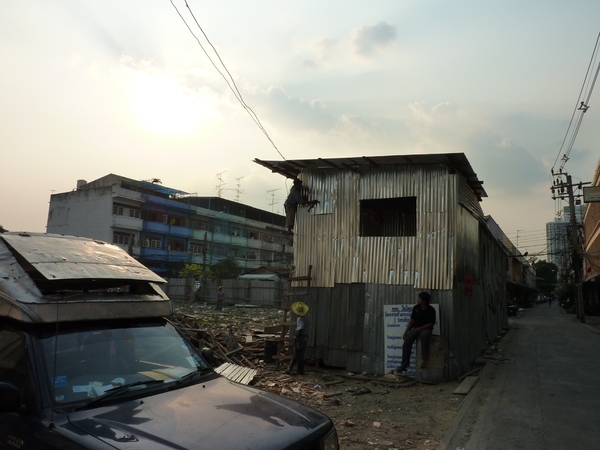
x,y
220,298
422,320
300,338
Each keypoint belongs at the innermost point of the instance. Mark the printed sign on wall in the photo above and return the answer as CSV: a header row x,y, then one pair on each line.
x,y
395,319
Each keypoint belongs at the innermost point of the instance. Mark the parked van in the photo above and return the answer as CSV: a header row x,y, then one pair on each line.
x,y
88,361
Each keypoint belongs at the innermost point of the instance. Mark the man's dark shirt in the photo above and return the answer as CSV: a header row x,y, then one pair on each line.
x,y
423,317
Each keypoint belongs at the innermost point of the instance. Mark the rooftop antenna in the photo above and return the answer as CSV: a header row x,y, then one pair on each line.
x,y
273,202
238,191
220,187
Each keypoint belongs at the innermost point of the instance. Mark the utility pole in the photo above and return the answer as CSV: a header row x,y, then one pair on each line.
x,y
204,249
576,260
576,250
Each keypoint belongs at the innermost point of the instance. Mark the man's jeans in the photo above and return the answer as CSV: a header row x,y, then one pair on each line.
x,y
424,335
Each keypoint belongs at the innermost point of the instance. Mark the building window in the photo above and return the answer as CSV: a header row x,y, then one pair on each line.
x,y
196,247
152,216
251,255
117,210
389,217
151,242
123,238
254,235
175,245
135,213
174,220
266,237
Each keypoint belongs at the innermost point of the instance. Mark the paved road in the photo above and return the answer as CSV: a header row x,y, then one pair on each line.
x,y
547,396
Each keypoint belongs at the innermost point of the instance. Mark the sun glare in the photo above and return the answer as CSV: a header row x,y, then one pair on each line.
x,y
162,104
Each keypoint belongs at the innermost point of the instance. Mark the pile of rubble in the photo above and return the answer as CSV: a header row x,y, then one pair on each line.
x,y
239,337
225,344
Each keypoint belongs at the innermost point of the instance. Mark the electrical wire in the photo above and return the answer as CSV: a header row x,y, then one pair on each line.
x,y
230,82
579,106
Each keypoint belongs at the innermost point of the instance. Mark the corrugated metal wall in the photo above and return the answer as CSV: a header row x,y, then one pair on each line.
x,y
328,235
347,322
251,292
477,317
354,276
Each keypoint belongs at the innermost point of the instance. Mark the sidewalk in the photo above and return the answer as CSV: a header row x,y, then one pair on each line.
x,y
545,397
592,322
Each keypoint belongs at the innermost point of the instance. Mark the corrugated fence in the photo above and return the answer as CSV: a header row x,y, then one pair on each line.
x,y
250,292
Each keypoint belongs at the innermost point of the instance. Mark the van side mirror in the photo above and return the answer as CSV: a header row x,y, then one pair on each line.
x,y
209,356
10,398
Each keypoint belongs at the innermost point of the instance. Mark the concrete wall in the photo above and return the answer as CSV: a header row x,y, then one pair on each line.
x,y
83,212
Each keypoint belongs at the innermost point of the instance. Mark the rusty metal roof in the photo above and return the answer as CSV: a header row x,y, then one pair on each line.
x,y
58,257
456,162
55,278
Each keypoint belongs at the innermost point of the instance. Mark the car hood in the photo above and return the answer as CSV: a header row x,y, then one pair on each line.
x,y
215,414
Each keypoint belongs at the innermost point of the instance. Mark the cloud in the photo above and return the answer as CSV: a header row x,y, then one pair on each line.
x,y
369,39
358,129
314,121
506,167
293,114
324,50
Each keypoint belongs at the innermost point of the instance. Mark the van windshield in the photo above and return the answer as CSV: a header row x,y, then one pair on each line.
x,y
93,361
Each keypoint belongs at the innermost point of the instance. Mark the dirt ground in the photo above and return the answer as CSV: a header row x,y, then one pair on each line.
x,y
369,412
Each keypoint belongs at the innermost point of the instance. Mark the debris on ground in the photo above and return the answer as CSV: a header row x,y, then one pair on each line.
x,y
369,411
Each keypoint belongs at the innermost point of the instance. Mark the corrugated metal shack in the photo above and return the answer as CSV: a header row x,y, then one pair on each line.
x,y
385,229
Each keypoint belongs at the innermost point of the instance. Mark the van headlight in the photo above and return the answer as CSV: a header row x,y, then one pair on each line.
x,y
330,442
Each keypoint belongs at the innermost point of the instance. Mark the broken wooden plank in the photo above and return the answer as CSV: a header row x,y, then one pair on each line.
x,y
272,329
466,385
238,374
238,349
331,394
249,376
470,372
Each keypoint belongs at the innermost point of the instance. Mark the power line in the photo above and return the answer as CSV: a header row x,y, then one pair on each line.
x,y
580,105
232,86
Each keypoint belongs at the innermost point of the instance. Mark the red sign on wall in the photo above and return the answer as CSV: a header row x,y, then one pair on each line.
x,y
468,284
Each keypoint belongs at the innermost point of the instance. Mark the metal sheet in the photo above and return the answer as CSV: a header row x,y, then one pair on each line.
x,y
59,257
339,254
456,162
22,299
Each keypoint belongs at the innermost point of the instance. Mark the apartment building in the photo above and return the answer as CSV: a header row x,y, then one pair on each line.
x,y
164,227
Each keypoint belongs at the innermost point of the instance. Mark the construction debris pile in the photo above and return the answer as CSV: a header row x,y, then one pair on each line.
x,y
241,336
379,411
226,345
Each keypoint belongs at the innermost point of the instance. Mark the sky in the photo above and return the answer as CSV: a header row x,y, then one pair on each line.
x,y
89,88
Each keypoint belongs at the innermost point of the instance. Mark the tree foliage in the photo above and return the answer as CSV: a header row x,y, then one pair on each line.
x,y
548,274
2,229
191,271
225,269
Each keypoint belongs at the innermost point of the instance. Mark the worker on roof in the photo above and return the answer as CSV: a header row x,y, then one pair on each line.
x,y
294,199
